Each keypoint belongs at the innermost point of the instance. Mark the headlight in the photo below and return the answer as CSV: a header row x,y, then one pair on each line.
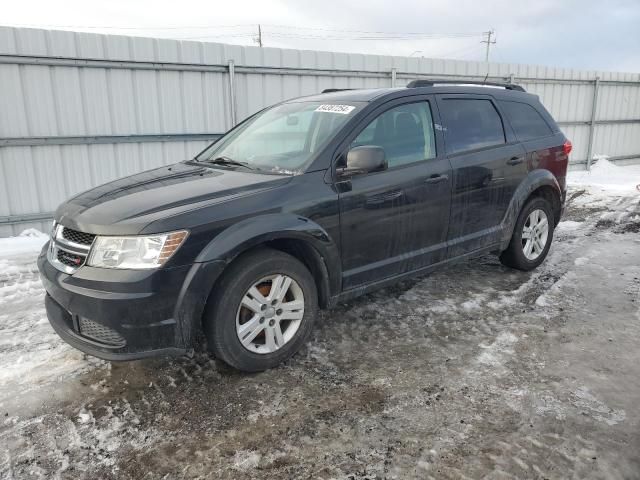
x,y
136,252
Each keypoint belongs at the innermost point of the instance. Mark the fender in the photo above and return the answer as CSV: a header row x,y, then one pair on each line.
x,y
192,301
236,239
276,226
534,180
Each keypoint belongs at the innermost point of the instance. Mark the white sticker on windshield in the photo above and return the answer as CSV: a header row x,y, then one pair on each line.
x,y
343,109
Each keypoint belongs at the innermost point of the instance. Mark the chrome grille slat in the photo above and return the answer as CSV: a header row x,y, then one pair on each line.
x,y
72,247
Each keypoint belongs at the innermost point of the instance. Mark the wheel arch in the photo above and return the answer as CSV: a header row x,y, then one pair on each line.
x,y
553,197
539,183
298,236
295,235
310,258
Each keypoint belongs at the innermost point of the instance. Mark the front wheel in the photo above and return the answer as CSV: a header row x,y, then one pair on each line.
x,y
262,311
531,237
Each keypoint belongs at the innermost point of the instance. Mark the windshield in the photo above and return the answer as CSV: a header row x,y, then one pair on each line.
x,y
282,139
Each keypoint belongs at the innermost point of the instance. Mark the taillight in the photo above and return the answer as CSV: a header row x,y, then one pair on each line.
x,y
566,147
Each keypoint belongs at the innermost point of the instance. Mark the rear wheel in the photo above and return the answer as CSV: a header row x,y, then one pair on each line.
x,y
262,311
532,236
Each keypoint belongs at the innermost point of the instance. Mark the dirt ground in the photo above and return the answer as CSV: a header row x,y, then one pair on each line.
x,y
476,371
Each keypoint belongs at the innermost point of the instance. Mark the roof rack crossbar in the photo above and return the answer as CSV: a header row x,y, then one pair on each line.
x,y
431,83
331,90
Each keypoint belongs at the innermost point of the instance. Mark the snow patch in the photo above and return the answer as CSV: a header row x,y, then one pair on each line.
x,y
32,355
568,225
29,241
246,460
473,304
585,400
541,301
605,175
494,355
85,416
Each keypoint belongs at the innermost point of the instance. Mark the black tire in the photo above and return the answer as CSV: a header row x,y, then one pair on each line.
x,y
223,305
514,255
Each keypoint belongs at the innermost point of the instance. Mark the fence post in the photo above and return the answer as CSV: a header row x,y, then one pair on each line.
x,y
232,92
592,123
394,75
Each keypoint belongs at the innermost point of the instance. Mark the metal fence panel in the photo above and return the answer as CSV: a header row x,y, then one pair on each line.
x,y
80,109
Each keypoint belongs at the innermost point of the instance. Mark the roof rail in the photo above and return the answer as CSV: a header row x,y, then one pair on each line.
x,y
431,83
331,90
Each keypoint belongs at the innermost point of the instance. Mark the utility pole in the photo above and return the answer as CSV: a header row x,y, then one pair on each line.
x,y
488,41
259,39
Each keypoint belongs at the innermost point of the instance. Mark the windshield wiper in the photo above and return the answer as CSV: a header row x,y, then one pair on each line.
x,y
229,161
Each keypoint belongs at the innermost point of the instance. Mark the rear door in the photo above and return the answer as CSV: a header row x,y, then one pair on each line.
x,y
488,164
395,221
542,145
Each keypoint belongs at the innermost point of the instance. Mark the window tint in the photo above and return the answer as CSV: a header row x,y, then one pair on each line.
x,y
525,120
405,132
471,123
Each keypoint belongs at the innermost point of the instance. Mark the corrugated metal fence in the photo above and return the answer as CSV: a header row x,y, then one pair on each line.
x,y
80,109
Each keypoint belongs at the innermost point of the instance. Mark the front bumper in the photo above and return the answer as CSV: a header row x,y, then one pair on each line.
x,y
128,314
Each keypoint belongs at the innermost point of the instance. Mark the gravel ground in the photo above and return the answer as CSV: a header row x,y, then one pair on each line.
x,y
476,371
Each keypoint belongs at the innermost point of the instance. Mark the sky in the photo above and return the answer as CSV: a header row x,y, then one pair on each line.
x,y
588,34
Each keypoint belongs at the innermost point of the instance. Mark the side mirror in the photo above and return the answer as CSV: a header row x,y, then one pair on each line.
x,y
364,159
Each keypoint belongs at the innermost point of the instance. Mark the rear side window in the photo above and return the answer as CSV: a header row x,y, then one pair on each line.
x,y
471,124
525,120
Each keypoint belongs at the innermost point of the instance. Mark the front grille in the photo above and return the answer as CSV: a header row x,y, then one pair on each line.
x,y
77,237
69,249
98,332
70,259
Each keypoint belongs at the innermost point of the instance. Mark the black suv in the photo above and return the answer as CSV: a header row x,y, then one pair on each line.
x,y
304,204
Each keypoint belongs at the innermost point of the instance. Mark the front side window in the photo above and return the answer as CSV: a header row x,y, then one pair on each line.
x,y
404,132
283,139
471,124
525,120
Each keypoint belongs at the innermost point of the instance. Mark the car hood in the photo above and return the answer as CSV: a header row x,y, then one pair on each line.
x,y
127,205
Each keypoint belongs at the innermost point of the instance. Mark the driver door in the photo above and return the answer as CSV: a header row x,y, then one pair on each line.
x,y
395,221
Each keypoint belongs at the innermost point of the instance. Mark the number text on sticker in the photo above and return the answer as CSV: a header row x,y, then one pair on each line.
x,y
343,109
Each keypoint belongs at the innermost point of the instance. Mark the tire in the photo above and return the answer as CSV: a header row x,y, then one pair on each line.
x,y
516,256
232,310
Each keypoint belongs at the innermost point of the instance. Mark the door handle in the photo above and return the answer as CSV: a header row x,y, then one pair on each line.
x,y
436,178
515,160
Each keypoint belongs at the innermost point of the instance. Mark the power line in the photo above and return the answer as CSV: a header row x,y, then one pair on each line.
x,y
336,37
473,51
248,25
278,31
460,53
355,33
115,27
468,34
222,35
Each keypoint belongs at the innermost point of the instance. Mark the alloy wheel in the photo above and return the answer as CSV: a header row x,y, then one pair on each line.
x,y
535,233
270,314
